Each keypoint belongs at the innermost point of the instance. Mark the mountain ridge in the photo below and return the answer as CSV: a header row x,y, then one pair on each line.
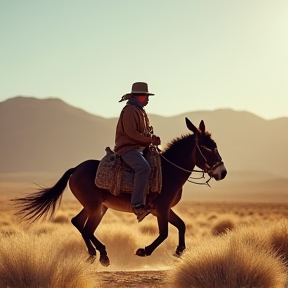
x,y
38,133
42,138
55,99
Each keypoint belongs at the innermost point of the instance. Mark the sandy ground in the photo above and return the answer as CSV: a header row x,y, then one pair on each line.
x,y
139,279
200,218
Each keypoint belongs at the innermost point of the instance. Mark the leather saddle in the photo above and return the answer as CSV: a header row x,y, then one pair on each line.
x,y
115,175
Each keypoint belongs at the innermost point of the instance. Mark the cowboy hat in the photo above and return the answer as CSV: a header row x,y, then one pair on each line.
x,y
138,88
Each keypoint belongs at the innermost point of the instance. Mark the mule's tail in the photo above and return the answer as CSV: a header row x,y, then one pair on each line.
x,y
42,203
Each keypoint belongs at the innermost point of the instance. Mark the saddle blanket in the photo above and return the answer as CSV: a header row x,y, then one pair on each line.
x,y
115,175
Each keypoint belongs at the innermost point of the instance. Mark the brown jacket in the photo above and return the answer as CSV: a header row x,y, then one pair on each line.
x,y
133,130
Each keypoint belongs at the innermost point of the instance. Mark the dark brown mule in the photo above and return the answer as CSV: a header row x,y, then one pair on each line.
x,y
178,162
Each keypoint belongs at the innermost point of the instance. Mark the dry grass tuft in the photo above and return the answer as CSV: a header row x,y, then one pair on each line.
x,y
227,261
223,226
279,241
249,251
211,217
28,260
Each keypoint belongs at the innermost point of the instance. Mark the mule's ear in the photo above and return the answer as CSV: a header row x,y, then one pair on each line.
x,y
191,126
202,127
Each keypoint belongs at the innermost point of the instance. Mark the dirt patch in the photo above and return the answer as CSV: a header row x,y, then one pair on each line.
x,y
139,279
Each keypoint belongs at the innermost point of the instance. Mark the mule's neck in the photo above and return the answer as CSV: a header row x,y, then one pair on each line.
x,y
180,151
180,157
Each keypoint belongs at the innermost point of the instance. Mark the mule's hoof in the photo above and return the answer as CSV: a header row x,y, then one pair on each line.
x,y
179,251
104,260
141,252
177,254
91,259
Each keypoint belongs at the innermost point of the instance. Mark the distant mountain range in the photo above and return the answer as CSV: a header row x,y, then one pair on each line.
x,y
50,136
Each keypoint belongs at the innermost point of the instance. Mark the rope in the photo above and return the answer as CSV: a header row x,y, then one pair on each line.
x,y
190,171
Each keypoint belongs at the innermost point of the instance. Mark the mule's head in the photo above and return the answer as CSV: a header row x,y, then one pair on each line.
x,y
205,153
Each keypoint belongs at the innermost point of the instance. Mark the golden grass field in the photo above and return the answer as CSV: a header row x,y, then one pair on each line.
x,y
229,245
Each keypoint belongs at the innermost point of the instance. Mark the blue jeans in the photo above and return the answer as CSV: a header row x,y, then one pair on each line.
x,y
141,167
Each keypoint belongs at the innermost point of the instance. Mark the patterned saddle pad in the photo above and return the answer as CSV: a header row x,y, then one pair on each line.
x,y
116,176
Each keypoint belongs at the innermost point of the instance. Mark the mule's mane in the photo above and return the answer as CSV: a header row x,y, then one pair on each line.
x,y
182,139
176,141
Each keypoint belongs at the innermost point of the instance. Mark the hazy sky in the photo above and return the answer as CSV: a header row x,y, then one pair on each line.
x,y
194,54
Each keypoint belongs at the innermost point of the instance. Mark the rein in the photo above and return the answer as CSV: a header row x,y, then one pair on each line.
x,y
190,171
194,170
183,169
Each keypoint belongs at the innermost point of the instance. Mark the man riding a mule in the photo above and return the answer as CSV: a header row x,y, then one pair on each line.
x,y
178,160
133,135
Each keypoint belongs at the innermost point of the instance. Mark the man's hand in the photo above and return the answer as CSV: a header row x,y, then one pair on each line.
x,y
156,140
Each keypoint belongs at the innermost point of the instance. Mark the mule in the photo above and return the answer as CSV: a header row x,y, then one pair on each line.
x,y
178,161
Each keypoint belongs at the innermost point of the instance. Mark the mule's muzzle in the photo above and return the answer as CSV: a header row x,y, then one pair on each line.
x,y
218,171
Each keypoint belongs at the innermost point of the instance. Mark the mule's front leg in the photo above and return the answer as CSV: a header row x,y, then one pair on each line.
x,y
162,219
176,221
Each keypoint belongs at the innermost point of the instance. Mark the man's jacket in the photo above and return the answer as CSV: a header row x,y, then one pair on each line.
x,y
132,130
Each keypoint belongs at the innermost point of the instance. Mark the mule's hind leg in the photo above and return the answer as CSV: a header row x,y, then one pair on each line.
x,y
88,232
79,222
176,221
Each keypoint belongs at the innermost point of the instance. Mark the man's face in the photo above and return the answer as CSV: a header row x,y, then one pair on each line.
x,y
143,99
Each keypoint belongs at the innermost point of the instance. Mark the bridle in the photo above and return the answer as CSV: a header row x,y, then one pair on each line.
x,y
207,168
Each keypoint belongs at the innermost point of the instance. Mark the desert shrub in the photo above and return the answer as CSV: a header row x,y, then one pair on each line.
x,y
29,260
227,261
255,237
254,265
197,264
222,226
279,241
211,217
